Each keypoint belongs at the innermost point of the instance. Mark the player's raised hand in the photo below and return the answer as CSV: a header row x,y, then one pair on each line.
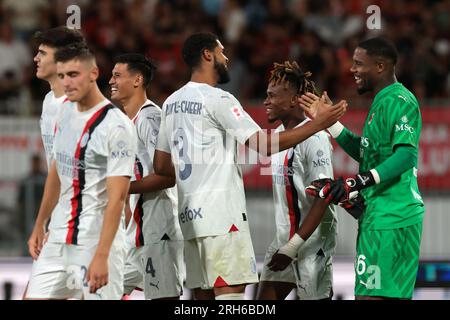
x,y
279,262
309,103
327,115
36,241
97,275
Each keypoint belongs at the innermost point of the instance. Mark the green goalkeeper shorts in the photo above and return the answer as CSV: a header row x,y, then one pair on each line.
x,y
387,261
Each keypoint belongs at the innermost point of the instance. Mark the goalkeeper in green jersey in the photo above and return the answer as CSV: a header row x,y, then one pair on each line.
x,y
390,224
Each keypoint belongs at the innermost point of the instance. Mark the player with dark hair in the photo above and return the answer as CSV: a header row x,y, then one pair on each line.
x,y
155,254
389,234
296,215
48,42
200,128
88,181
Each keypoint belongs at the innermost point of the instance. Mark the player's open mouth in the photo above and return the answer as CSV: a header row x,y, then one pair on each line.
x,y
268,110
114,90
358,79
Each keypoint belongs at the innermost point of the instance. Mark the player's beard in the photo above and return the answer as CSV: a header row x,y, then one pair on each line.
x,y
222,71
366,87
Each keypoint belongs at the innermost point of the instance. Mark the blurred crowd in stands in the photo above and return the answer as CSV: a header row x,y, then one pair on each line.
x,y
319,34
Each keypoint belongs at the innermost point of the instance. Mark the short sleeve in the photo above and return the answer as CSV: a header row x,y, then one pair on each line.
x,y
317,156
148,130
122,149
228,112
58,119
162,141
404,124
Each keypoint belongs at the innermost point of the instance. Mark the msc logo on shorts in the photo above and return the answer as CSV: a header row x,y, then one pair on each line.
x,y
373,273
190,214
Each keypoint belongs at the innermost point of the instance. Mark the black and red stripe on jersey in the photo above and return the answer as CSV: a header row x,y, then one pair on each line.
x,y
79,180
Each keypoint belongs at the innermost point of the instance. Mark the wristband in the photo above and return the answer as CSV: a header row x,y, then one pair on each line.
x,y
291,248
336,129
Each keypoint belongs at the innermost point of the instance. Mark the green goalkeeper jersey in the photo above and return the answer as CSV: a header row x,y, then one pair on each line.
x,y
394,119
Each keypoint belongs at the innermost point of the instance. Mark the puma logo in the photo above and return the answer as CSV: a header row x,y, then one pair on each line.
x,y
154,285
299,286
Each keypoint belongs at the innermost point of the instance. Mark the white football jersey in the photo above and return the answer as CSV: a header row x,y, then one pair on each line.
x,y
201,127
155,215
292,171
50,110
88,147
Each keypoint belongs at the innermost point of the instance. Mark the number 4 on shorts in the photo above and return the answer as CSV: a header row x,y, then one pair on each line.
x,y
149,268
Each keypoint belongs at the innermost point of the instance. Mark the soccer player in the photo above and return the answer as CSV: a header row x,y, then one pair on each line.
x,y
49,41
292,170
200,128
88,181
153,233
389,234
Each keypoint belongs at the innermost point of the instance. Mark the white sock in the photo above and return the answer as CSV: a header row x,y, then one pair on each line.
x,y
230,296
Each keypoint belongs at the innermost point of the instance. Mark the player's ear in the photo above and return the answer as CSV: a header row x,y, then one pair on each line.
x,y
93,75
138,81
207,54
294,101
380,65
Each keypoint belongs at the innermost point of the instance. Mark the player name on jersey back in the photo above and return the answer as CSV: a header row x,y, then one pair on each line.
x,y
190,107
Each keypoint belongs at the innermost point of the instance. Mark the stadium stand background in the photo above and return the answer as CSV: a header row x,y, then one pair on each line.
x,y
319,34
